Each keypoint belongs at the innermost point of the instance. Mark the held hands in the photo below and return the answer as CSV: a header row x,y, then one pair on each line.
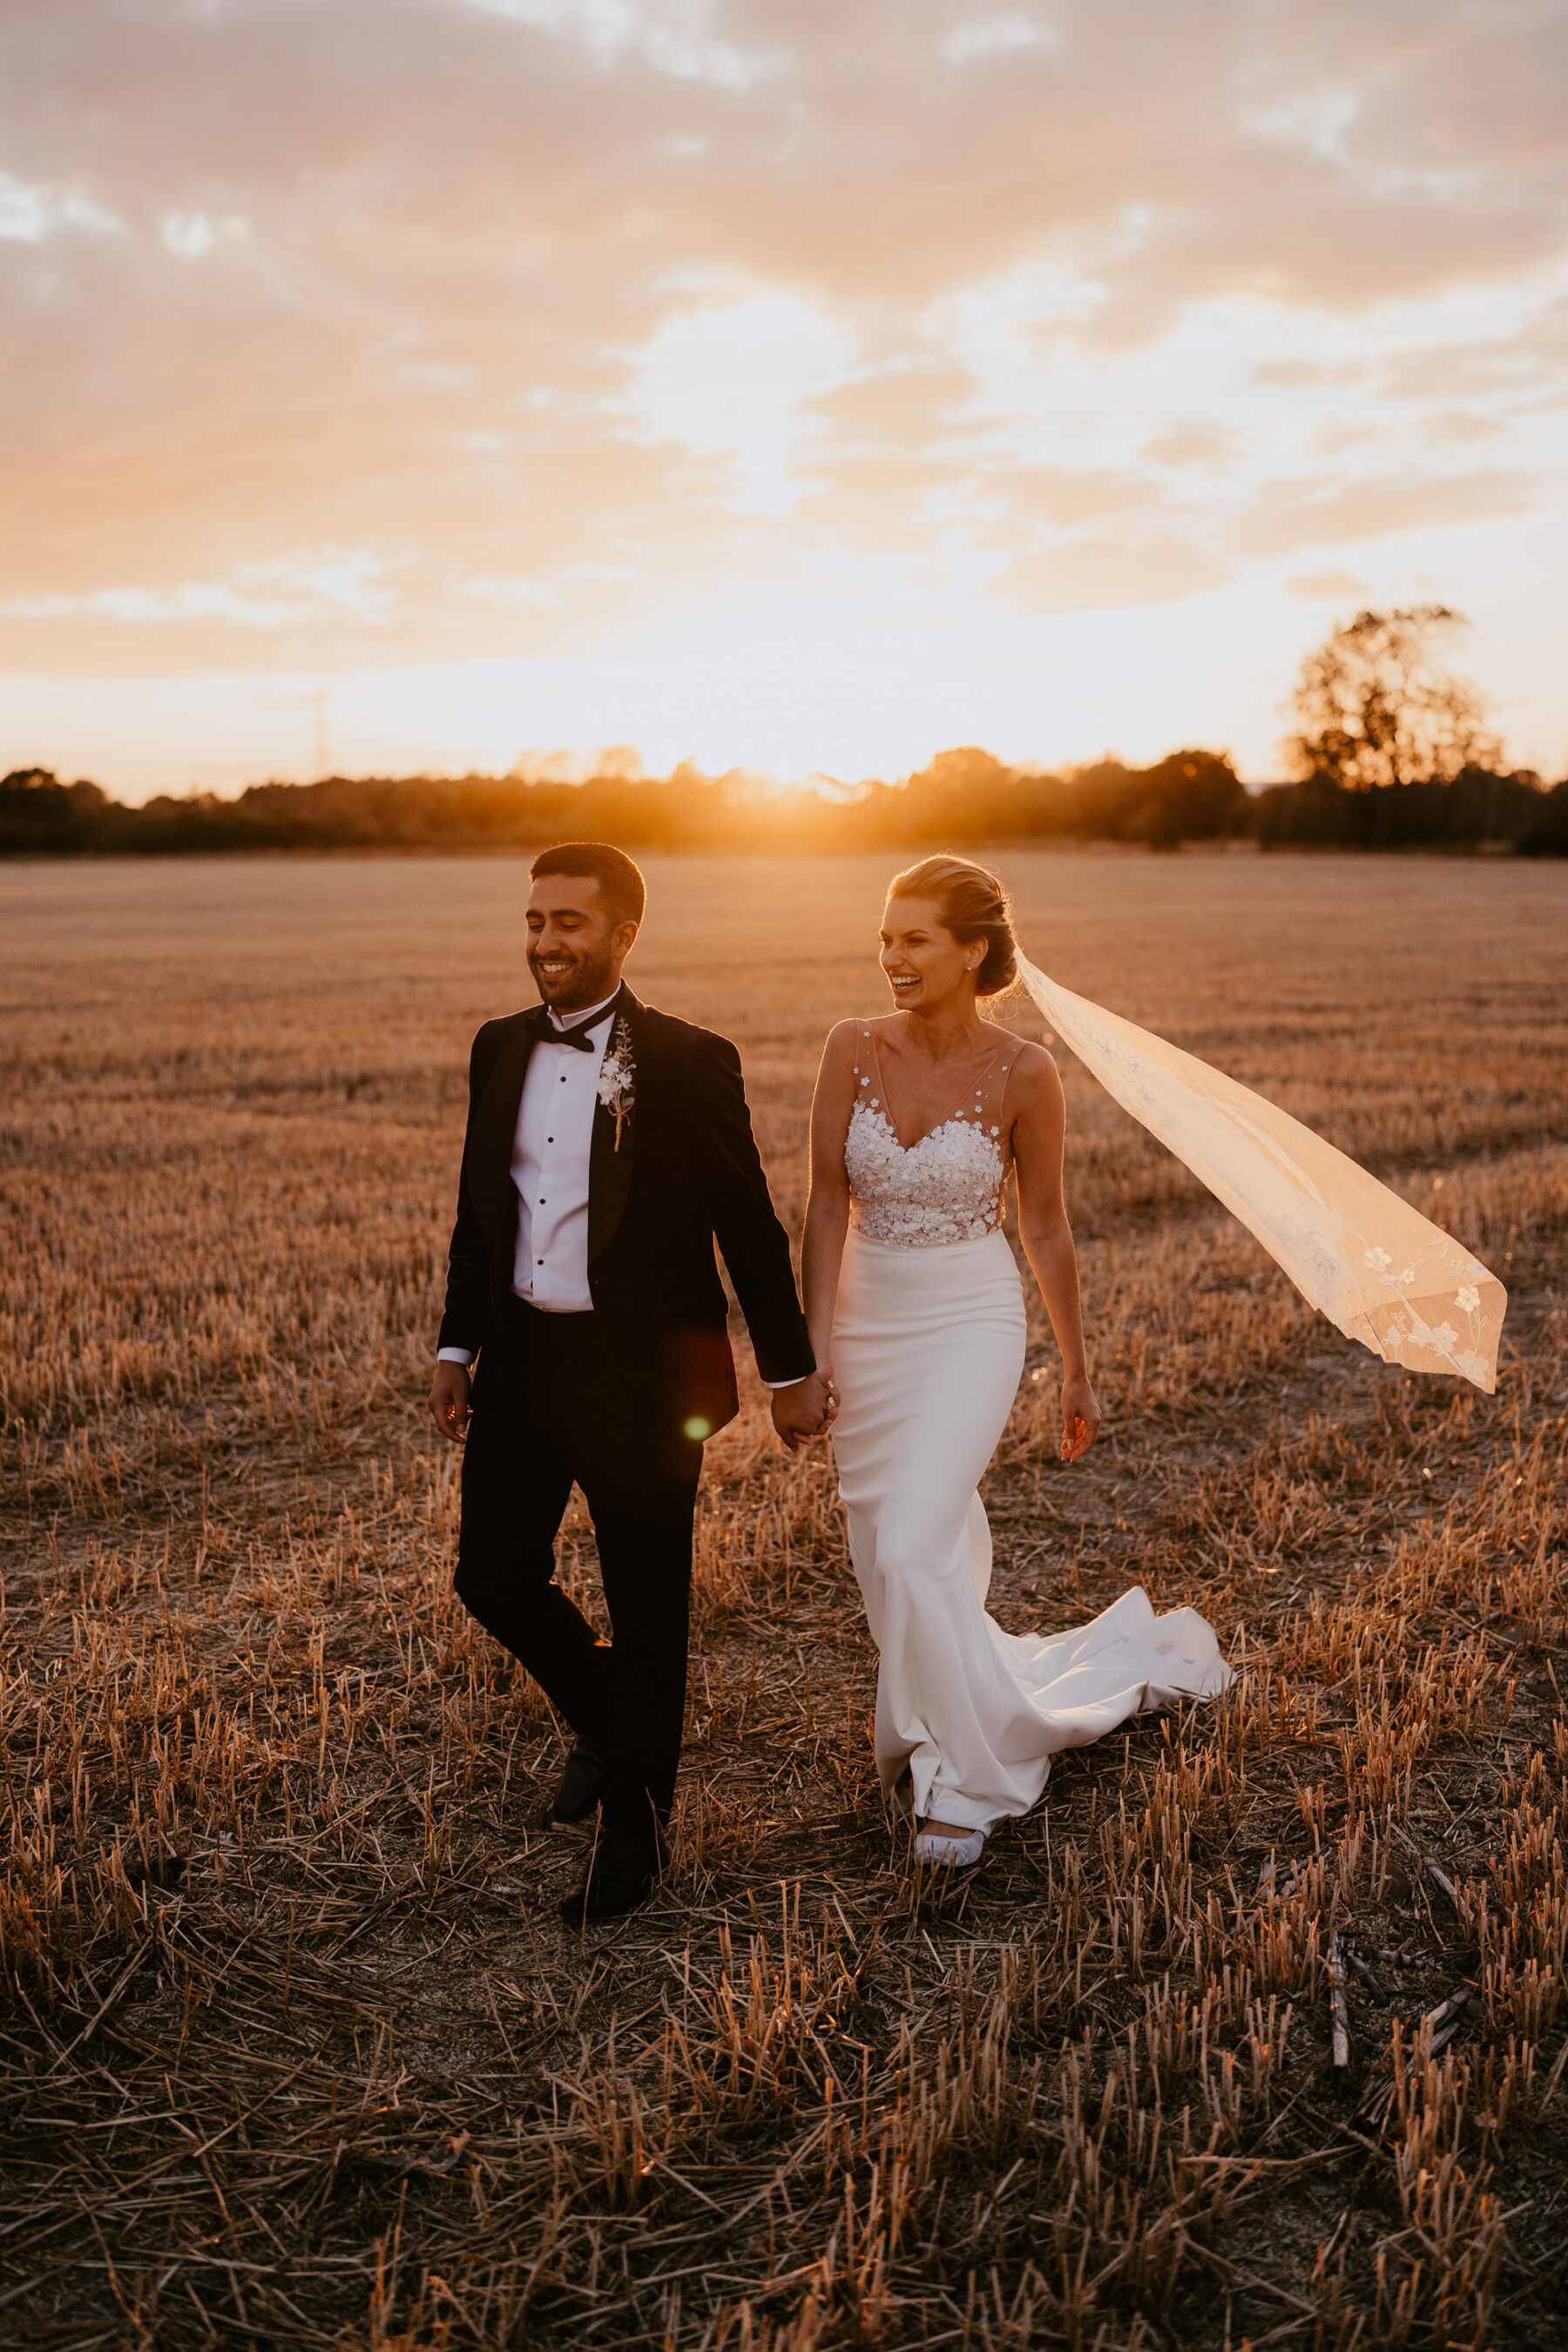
x,y
1081,1419
806,1410
800,1414
449,1401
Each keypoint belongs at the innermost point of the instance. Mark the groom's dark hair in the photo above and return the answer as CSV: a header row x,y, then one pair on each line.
x,y
620,882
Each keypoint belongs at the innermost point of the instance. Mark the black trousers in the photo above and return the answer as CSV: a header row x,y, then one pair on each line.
x,y
568,1403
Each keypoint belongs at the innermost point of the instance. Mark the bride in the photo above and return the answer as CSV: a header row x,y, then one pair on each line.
x,y
916,1316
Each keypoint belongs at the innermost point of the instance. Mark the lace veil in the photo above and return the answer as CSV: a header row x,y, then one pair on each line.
x,y
1358,1253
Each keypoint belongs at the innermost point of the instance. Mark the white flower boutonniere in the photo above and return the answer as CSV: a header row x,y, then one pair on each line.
x,y
618,1075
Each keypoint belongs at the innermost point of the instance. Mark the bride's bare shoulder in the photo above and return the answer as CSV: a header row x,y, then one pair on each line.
x,y
1033,1070
842,1044
849,1035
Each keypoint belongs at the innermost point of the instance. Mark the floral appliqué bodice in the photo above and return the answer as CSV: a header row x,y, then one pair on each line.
x,y
947,1187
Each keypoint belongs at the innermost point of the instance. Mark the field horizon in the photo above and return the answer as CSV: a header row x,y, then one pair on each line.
x,y
295,2048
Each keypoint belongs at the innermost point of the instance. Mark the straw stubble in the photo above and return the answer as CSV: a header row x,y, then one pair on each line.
x,y
298,2051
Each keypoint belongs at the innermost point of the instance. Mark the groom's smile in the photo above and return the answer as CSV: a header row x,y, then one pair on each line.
x,y
575,948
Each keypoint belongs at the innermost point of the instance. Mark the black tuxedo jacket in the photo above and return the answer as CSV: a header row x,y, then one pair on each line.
x,y
686,1173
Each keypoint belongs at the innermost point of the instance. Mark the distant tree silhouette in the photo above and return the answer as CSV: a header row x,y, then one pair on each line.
x,y
1191,796
1546,834
1479,808
37,813
964,799
1374,706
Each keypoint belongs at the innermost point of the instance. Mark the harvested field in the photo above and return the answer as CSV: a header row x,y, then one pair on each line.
x,y
295,2048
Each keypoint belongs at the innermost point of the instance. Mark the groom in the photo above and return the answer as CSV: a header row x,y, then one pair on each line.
x,y
608,1146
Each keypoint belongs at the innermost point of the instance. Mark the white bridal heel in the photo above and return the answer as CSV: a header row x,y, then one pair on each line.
x,y
953,1853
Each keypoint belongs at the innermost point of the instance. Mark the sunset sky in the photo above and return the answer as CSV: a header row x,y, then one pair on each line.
x,y
801,384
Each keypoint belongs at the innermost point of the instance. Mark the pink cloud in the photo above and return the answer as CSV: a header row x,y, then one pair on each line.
x,y
376,275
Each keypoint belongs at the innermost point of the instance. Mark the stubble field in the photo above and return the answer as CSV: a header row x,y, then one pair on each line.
x,y
295,2052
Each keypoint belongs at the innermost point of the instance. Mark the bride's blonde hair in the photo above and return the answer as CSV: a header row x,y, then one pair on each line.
x,y
972,906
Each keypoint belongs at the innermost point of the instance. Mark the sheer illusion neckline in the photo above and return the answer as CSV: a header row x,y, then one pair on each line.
x,y
962,1116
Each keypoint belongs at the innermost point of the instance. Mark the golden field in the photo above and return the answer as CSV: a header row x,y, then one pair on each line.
x,y
295,2048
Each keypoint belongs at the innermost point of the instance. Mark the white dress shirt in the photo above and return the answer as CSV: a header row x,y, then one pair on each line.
x,y
550,1157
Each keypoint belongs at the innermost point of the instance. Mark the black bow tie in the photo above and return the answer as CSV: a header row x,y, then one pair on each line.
x,y
541,1026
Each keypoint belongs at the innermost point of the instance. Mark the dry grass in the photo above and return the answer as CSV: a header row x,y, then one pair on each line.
x,y
295,2048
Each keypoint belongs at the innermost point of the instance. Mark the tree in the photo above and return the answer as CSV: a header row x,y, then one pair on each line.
x,y
1190,796
1375,705
37,813
1546,834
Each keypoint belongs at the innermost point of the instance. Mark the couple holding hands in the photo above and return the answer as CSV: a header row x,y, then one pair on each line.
x,y
608,1146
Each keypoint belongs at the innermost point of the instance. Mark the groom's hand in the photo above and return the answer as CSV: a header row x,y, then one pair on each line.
x,y
805,1410
449,1400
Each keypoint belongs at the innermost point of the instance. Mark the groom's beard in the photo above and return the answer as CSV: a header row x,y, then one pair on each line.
x,y
587,981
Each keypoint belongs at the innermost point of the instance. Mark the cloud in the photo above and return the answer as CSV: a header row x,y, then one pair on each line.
x,y
1339,585
308,588
192,235
1289,515
1069,495
28,214
1190,444
1458,427
553,320
1109,568
995,36
1307,374
897,407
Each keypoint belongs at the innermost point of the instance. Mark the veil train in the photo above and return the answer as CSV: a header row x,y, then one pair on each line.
x,y
1354,1250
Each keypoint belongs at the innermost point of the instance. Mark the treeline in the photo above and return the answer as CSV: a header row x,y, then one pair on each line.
x,y
963,797
1479,808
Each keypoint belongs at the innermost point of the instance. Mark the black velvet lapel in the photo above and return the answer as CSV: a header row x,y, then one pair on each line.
x,y
493,1193
609,1170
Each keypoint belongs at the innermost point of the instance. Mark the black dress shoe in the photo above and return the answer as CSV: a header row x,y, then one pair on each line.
x,y
582,1790
610,1889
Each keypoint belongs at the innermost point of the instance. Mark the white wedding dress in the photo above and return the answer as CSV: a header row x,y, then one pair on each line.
x,y
928,1350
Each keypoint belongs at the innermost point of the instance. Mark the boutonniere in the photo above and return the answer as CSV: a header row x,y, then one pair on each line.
x,y
618,1075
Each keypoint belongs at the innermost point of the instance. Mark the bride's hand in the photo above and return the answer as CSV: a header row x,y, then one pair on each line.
x,y
1081,1419
805,1408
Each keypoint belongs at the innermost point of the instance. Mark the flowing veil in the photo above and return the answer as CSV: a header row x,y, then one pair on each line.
x,y
1359,1254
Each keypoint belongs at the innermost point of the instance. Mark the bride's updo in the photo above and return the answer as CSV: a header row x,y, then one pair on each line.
x,y
973,906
